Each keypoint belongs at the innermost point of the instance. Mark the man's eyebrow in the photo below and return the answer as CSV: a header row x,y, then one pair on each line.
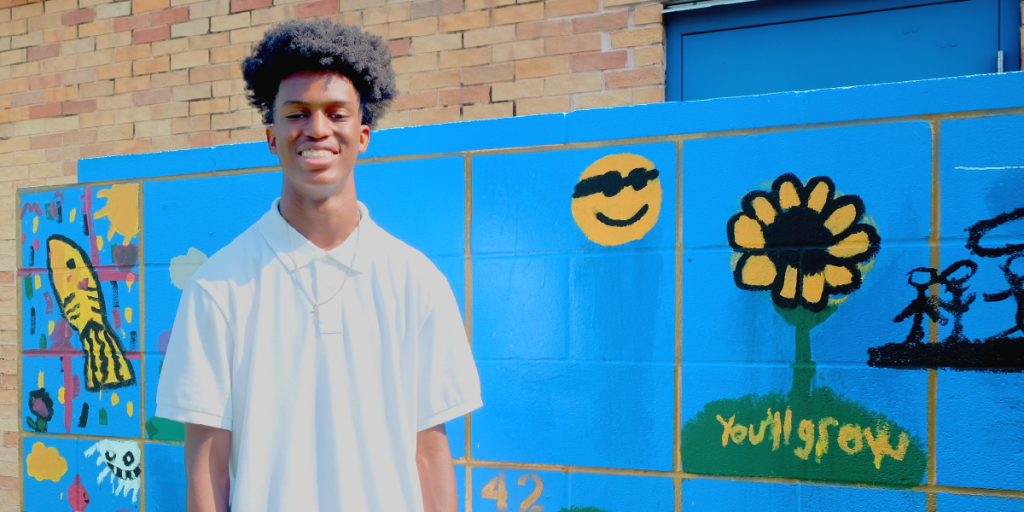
x,y
299,102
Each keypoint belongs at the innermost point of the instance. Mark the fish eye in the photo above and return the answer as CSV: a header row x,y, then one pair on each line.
x,y
71,264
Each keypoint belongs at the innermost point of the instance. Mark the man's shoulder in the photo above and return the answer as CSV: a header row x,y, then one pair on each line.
x,y
396,254
235,263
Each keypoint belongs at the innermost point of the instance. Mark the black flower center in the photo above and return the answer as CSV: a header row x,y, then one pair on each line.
x,y
798,238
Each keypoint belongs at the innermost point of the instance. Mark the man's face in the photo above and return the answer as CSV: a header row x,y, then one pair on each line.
x,y
317,132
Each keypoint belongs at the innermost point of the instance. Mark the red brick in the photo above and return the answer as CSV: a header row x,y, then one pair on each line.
x,y
78,17
199,140
27,98
320,8
7,278
426,8
535,29
572,44
45,141
11,439
635,78
132,22
150,97
78,76
78,137
415,101
148,35
399,47
248,5
169,16
9,482
466,95
600,22
44,82
79,107
451,6
44,51
45,110
598,60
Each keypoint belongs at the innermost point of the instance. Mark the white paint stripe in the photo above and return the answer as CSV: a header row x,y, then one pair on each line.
x,y
989,168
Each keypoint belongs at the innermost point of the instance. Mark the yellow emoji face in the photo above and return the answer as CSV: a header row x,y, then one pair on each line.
x,y
617,199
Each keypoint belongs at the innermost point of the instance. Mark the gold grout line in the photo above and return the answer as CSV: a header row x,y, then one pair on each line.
x,y
469,489
967,114
677,434
142,346
18,283
468,284
931,502
933,328
677,486
682,475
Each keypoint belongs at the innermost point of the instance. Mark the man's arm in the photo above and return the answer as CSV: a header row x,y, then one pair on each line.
x,y
207,453
437,473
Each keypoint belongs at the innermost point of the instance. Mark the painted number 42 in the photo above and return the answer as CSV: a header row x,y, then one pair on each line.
x,y
495,490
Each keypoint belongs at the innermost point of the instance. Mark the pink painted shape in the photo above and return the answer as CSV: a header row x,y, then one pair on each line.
x,y
78,497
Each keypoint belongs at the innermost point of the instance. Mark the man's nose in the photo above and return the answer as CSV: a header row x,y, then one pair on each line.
x,y
319,125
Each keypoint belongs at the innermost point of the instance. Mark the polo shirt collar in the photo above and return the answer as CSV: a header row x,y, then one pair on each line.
x,y
299,252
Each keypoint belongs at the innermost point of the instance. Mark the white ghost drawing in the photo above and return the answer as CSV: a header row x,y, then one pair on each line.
x,y
123,459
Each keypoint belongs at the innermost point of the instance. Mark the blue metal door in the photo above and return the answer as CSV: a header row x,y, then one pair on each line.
x,y
786,45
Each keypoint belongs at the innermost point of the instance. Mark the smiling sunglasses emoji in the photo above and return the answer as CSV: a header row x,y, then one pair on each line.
x,y
617,199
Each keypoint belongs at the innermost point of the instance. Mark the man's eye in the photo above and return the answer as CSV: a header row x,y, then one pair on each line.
x,y
296,115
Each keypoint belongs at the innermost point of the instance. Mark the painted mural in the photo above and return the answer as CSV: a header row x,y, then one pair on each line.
x,y
810,247
723,321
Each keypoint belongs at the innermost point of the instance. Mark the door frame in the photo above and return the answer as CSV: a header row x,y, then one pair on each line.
x,y
770,12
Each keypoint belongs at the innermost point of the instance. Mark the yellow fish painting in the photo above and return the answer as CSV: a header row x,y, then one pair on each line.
x,y
81,302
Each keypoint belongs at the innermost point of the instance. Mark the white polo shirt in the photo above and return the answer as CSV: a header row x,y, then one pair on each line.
x,y
323,417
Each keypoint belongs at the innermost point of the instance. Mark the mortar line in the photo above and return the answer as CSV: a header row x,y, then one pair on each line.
x,y
468,285
677,436
677,486
933,328
18,284
142,345
966,114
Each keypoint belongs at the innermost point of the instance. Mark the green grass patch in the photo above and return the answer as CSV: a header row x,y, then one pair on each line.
x,y
823,436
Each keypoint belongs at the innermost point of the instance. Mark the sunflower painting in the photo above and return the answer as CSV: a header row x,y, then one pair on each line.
x,y
810,247
801,242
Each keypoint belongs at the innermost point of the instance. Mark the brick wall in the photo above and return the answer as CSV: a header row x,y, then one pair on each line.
x,y
87,78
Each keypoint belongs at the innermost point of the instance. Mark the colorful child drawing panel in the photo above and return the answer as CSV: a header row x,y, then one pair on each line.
x,y
709,321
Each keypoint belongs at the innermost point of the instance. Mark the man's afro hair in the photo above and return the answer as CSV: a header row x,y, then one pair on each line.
x,y
319,45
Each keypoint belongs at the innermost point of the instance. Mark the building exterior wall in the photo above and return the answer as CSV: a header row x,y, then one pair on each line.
x,y
87,78
684,361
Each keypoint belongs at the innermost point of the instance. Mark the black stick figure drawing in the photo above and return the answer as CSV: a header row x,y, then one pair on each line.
x,y
1016,291
921,278
953,280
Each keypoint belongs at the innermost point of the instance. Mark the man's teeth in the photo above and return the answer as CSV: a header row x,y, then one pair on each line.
x,y
316,153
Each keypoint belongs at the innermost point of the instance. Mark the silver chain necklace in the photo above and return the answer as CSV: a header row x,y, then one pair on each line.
x,y
302,285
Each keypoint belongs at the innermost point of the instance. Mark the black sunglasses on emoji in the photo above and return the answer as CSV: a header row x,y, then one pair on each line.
x,y
612,182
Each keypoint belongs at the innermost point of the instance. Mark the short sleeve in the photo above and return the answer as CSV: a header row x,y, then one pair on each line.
x,y
449,385
195,381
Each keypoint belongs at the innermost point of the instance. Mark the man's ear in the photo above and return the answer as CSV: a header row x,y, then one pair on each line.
x,y
271,140
364,137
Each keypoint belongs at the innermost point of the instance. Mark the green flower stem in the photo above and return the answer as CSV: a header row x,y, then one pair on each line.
x,y
804,368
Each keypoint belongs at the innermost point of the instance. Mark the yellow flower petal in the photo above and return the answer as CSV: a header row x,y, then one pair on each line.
x,y
788,197
838,276
841,219
816,201
764,210
759,271
814,286
855,244
747,233
789,285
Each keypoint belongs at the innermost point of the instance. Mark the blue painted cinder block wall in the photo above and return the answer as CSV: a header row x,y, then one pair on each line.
x,y
790,313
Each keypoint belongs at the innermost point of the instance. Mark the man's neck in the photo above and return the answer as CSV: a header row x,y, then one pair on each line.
x,y
326,223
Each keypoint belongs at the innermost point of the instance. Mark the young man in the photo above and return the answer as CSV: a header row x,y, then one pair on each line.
x,y
315,359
